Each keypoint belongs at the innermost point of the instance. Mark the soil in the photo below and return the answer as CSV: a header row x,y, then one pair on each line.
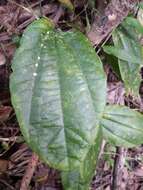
x,y
15,16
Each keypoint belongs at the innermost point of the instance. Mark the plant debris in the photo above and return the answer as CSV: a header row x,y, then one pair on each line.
x,y
15,16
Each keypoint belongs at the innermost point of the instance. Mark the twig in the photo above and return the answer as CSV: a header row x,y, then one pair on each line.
x,y
104,42
118,168
113,15
41,11
25,8
102,149
29,172
119,161
6,184
36,3
58,15
10,139
120,152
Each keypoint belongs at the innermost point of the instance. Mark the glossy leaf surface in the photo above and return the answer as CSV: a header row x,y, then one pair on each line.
x,y
129,52
122,126
80,179
57,95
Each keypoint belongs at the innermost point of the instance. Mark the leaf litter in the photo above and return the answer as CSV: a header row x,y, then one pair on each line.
x,y
14,153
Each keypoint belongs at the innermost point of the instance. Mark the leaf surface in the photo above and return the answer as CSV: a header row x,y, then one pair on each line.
x,y
67,3
80,179
57,95
129,52
122,126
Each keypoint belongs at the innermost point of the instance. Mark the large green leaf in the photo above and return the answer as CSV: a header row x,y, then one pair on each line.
x,y
58,91
122,126
80,179
129,51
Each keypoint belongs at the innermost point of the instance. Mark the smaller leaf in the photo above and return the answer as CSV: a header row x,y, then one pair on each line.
x,y
122,126
141,5
67,3
135,23
121,54
113,62
129,53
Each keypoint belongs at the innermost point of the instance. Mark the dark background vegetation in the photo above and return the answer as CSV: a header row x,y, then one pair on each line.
x,y
15,156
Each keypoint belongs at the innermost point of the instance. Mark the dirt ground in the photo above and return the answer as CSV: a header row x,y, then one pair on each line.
x,y
15,155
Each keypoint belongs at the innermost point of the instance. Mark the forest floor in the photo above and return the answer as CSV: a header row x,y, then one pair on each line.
x,y
15,155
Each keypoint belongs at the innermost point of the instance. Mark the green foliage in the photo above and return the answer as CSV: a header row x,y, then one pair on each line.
x,y
92,3
134,23
122,126
80,179
67,3
58,90
140,5
56,93
129,52
109,153
113,62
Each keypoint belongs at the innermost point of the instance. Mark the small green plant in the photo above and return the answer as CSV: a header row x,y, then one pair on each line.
x,y
129,53
58,90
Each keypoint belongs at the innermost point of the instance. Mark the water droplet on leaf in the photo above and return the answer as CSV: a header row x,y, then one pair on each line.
x,y
34,74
